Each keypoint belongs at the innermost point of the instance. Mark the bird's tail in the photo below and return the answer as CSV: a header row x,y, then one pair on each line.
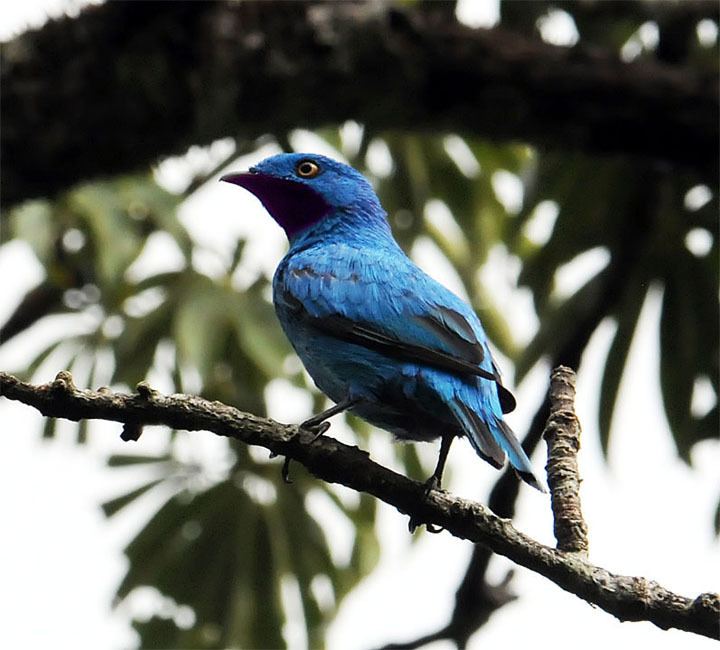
x,y
494,440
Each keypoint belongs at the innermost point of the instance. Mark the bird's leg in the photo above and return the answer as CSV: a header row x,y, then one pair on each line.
x,y
434,482
318,423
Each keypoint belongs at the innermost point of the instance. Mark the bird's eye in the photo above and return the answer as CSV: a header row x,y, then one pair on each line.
x,y
307,169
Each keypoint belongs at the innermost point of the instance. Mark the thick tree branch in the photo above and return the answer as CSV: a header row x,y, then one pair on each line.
x,y
126,83
627,598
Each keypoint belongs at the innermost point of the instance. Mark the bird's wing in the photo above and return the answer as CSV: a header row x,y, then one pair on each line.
x,y
392,307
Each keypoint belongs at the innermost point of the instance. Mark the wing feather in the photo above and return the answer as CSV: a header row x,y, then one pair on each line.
x,y
398,311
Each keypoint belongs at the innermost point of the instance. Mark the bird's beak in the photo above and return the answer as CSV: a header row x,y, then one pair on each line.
x,y
258,183
243,179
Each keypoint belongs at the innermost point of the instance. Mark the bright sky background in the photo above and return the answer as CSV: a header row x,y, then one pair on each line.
x,y
649,514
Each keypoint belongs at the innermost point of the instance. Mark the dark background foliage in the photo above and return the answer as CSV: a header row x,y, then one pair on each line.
x,y
618,134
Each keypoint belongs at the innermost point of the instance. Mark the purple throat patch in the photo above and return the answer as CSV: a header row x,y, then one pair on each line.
x,y
294,206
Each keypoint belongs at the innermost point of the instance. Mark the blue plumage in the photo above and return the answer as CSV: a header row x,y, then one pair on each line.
x,y
377,334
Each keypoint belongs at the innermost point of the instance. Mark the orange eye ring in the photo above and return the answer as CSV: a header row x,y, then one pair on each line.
x,y
307,169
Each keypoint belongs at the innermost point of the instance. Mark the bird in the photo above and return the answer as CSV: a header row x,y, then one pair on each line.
x,y
379,337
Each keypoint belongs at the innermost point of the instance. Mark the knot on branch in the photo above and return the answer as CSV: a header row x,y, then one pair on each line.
x,y
132,430
562,434
144,390
708,604
63,383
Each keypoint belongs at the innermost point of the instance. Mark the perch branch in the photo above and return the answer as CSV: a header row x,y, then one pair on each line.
x,y
627,598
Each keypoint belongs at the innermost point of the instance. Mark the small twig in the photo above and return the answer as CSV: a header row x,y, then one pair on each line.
x,y
562,434
628,598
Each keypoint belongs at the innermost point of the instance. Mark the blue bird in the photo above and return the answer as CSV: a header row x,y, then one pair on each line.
x,y
378,336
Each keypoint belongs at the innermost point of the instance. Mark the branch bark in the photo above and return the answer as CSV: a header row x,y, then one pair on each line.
x,y
627,598
562,433
147,80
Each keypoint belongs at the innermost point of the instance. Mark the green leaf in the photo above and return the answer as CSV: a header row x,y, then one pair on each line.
x,y
113,506
82,432
33,222
34,365
366,550
202,323
258,331
135,348
225,555
494,323
558,324
49,427
124,460
159,633
627,319
706,427
408,456
678,354
594,201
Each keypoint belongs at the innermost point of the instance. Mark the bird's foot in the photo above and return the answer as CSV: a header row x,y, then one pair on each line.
x,y
318,428
315,427
433,483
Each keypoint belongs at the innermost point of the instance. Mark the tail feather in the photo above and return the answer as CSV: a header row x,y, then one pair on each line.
x,y
480,435
492,439
518,458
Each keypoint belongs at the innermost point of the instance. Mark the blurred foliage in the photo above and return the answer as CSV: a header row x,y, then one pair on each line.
x,y
228,547
226,550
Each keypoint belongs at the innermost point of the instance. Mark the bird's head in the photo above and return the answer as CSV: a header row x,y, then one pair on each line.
x,y
300,189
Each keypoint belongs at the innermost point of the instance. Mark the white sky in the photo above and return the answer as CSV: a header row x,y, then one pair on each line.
x,y
648,513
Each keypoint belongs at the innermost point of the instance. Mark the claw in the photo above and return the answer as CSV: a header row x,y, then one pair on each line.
x,y
433,483
318,428
318,423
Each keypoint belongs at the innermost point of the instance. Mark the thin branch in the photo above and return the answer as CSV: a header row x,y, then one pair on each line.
x,y
627,598
562,433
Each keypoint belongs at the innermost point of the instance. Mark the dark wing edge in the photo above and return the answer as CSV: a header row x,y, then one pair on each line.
x,y
507,399
508,403
363,334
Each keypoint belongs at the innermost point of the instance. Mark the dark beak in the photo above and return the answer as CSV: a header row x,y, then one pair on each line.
x,y
239,178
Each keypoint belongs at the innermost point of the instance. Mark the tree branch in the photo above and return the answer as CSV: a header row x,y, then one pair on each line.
x,y
627,598
562,433
148,80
